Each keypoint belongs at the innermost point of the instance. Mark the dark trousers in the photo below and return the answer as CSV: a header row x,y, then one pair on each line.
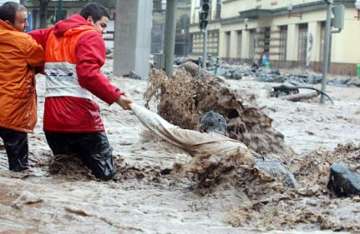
x,y
17,148
93,148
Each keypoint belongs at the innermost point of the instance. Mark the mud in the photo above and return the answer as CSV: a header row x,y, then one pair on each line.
x,y
271,203
186,96
150,193
311,203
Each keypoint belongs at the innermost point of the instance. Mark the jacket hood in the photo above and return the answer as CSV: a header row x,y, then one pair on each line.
x,y
72,22
6,26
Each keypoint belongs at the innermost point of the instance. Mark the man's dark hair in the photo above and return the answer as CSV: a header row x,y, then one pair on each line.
x,y
95,10
8,11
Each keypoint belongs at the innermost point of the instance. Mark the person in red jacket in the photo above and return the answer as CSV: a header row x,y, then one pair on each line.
x,y
74,53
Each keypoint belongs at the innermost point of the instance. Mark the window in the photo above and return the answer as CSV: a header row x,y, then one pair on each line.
x,y
283,43
212,45
239,44
302,39
267,35
227,44
218,9
252,44
322,40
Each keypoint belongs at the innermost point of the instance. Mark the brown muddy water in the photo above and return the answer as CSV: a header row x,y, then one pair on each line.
x,y
148,197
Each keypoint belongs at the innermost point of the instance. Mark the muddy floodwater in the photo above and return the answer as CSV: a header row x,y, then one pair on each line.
x,y
148,197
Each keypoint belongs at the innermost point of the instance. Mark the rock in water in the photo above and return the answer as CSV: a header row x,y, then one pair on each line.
x,y
212,121
343,182
26,198
277,170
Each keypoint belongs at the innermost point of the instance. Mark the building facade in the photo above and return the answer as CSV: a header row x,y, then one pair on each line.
x,y
182,38
290,31
66,7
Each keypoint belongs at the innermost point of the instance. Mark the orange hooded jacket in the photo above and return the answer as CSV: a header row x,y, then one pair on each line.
x,y
19,55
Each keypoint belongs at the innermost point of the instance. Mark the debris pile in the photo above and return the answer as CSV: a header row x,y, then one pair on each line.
x,y
234,72
291,93
299,78
266,75
237,72
188,95
311,203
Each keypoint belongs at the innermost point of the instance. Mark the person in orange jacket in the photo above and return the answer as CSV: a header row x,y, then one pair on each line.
x,y
19,56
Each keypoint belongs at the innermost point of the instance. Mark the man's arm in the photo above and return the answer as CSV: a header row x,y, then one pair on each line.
x,y
90,54
41,36
34,53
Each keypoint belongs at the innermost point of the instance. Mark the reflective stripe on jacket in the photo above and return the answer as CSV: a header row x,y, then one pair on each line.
x,y
60,65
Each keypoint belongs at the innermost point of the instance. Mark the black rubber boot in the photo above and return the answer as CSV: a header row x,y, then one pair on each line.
x,y
93,148
17,149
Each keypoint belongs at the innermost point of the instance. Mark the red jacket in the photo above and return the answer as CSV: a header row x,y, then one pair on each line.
x,y
76,114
